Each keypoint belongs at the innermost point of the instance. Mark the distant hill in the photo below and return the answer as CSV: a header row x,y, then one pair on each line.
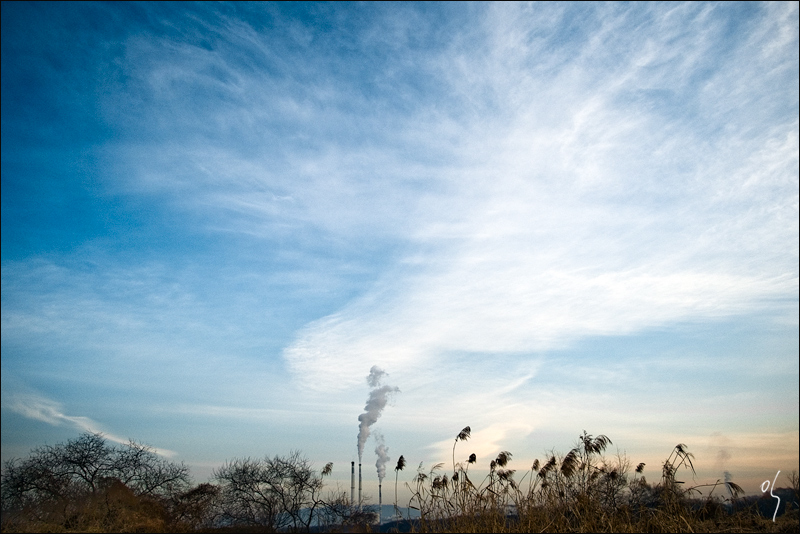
x,y
766,503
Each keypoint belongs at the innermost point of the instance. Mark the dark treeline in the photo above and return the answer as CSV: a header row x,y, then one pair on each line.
x,y
88,485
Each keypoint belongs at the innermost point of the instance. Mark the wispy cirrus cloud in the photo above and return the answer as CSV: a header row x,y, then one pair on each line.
x,y
626,208
459,195
37,407
517,191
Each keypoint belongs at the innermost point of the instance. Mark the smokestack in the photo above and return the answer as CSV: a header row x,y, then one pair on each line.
x,y
381,450
352,483
359,487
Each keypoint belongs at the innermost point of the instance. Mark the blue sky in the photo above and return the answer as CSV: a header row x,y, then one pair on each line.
x,y
538,219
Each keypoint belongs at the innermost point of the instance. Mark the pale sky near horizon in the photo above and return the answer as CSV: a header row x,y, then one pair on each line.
x,y
538,219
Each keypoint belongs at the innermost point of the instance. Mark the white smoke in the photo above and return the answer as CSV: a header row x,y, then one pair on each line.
x,y
375,375
376,402
381,450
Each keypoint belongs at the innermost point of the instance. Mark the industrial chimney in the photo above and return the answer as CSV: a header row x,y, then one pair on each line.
x,y
359,487
352,483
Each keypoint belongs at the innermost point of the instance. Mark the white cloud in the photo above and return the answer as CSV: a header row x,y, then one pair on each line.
x,y
40,408
555,235
533,179
598,197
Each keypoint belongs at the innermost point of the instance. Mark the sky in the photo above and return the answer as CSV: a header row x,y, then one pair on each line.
x,y
536,219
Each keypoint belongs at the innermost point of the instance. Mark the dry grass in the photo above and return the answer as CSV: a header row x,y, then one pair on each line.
x,y
580,491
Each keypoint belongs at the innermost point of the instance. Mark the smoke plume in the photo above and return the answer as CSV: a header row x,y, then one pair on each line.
x,y
381,450
375,375
376,402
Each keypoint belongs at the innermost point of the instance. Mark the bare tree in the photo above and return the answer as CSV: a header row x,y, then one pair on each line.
x,y
195,509
245,496
146,473
277,493
54,482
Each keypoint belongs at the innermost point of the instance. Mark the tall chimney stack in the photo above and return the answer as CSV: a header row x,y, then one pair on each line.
x,y
380,505
359,486
352,483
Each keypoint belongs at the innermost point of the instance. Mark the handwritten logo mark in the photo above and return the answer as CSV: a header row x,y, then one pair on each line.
x,y
765,485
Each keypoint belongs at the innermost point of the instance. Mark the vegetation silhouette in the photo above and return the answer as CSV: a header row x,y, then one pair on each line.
x,y
87,485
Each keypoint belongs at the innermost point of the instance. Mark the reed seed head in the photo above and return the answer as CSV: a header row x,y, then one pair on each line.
x,y
503,458
601,442
505,474
570,463
735,489
327,469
